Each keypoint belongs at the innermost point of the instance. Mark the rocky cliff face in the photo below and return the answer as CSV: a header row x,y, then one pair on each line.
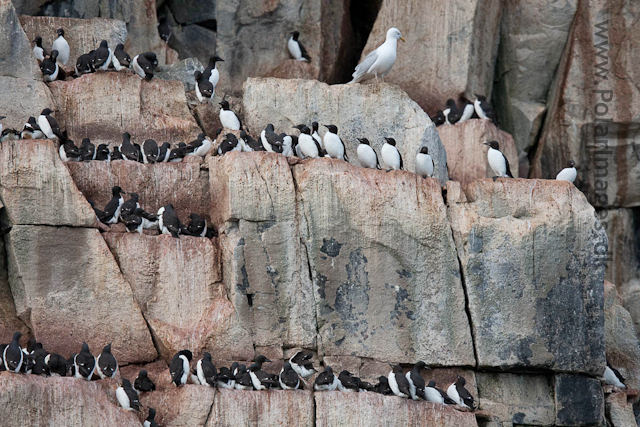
x,y
500,281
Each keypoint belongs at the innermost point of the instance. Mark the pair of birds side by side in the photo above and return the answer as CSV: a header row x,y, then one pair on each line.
x,y
500,165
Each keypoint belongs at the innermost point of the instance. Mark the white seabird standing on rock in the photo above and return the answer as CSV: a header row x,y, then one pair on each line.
x,y
228,118
296,49
60,44
379,62
391,158
569,173
424,163
367,155
498,162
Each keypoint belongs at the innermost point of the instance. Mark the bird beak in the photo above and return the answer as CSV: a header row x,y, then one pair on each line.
x,y
402,38
267,360
485,143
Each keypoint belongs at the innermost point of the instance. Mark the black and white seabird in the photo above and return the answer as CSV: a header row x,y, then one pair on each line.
x,y
113,207
383,386
150,151
347,382
309,147
143,383
133,221
169,223
333,145
228,118
127,396
451,113
49,126
60,44
9,134
326,380
84,363
87,150
497,161
367,155
211,73
57,365
179,367
296,49
12,356
49,67
379,62
434,394
259,378
271,141
250,144
197,226
569,173
288,378
467,110
38,50
116,154
102,56
204,88
164,29
484,109
301,363
459,394
84,64
151,419
398,382
120,59
439,119
98,212
128,150
102,152
613,377
164,152
69,152
416,382
106,365
391,158
201,146
31,130
424,163
145,65
229,143
243,379
225,378
177,154
206,371
71,368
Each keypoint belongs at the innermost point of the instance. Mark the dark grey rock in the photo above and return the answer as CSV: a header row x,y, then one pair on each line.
x,y
187,12
16,53
579,401
181,71
194,41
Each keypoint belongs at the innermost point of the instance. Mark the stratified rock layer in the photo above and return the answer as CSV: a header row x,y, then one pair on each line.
x,y
382,257
37,188
102,106
534,285
67,287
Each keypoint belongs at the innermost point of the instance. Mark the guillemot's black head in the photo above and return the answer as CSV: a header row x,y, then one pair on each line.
x,y
364,141
424,150
390,141
480,97
120,46
116,190
104,43
53,55
38,41
60,32
493,144
295,35
571,164
332,128
314,126
214,59
461,381
450,103
197,75
224,104
262,359
420,366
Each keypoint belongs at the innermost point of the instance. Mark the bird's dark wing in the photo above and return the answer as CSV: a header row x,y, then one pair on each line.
x,y
401,164
304,52
176,369
403,384
102,54
344,147
446,397
110,209
134,400
55,128
506,162
465,396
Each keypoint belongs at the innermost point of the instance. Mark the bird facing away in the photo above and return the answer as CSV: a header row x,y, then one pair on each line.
x,y
569,173
379,62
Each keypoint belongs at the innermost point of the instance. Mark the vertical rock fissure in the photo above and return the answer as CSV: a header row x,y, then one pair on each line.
x,y
467,309
213,402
